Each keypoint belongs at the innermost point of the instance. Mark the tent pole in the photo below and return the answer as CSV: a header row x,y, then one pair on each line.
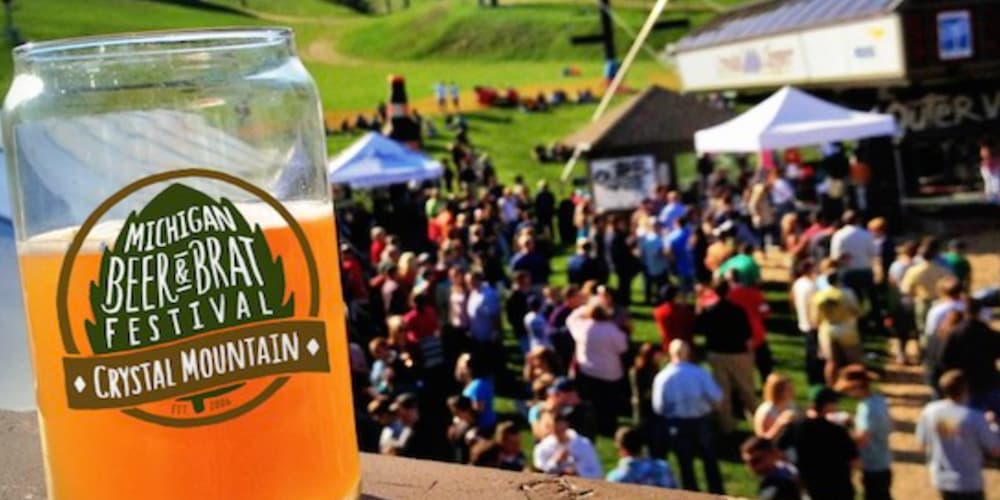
x,y
897,161
568,169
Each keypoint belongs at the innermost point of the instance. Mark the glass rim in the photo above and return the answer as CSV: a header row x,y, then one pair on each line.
x,y
161,42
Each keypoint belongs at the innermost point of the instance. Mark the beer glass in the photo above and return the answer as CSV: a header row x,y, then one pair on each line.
x,y
179,267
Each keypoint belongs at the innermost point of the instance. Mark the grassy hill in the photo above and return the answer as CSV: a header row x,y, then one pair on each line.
x,y
350,53
451,30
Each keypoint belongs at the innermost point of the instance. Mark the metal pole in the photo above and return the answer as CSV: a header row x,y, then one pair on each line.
x,y
627,62
568,169
607,32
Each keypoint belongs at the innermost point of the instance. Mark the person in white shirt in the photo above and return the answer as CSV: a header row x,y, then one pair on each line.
x,y
600,344
857,253
782,196
803,289
949,299
563,452
441,94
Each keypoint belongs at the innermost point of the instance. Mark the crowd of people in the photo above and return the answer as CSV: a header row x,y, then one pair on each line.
x,y
453,300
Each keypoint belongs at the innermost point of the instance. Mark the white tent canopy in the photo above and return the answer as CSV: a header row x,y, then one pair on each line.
x,y
791,118
375,160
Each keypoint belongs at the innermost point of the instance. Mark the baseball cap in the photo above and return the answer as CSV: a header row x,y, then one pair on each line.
x,y
821,395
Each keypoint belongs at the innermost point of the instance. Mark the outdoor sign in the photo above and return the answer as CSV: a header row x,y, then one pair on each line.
x,y
954,35
869,49
622,183
937,111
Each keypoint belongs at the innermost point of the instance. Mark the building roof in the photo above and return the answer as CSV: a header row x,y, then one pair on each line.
x,y
772,17
655,116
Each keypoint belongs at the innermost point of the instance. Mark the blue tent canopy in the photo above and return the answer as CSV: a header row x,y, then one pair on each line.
x,y
375,160
15,367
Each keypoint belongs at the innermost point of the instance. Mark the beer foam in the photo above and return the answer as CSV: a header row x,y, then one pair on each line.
x,y
106,232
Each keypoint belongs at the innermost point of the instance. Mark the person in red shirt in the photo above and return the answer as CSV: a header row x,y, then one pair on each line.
x,y
421,320
674,318
354,281
820,227
753,303
378,245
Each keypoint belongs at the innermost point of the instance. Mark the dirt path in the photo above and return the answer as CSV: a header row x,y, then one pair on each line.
x,y
905,388
907,394
322,50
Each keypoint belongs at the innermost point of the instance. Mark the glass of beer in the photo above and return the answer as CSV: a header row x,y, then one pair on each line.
x,y
178,255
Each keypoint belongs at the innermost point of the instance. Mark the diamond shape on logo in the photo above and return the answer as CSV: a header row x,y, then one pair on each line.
x,y
312,347
79,384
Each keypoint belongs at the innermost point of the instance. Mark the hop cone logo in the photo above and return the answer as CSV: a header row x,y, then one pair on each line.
x,y
212,271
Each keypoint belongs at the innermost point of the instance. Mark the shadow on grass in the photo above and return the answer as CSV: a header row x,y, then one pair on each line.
x,y
488,117
728,446
200,4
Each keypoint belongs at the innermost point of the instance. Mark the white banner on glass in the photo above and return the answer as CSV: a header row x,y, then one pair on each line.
x,y
869,49
622,183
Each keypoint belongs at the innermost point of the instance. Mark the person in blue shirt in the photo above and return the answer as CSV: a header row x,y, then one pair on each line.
x,y
633,468
778,479
655,264
679,241
684,397
479,389
483,308
673,210
872,425
583,266
532,261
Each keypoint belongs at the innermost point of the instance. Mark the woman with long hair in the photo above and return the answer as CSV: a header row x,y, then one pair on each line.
x,y
778,409
542,362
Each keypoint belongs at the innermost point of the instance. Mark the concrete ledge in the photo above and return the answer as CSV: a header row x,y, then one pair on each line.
x,y
22,476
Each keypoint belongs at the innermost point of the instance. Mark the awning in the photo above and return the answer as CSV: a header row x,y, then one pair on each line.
x,y
759,19
795,42
375,160
655,116
791,118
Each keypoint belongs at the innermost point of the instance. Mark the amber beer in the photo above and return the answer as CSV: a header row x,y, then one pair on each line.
x,y
179,267
298,444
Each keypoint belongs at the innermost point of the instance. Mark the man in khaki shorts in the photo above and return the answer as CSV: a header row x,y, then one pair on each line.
x,y
727,334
